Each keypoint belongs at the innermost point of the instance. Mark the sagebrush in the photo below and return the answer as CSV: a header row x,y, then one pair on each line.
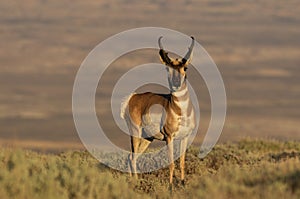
x,y
249,169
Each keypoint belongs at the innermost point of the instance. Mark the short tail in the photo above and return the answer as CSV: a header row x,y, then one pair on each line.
x,y
124,105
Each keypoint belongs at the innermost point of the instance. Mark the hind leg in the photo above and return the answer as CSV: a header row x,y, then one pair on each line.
x,y
135,133
138,146
135,142
144,144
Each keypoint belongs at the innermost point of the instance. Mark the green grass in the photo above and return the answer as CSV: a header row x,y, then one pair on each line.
x,y
249,169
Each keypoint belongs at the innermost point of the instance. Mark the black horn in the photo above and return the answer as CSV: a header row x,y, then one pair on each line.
x,y
159,42
175,62
163,55
189,53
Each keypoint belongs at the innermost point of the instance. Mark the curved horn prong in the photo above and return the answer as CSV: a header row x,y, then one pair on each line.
x,y
163,55
159,42
187,58
165,59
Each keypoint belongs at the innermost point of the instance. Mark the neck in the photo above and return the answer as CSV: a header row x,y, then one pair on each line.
x,y
182,92
181,98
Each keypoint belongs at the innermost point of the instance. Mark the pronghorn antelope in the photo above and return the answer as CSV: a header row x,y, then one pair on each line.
x,y
164,117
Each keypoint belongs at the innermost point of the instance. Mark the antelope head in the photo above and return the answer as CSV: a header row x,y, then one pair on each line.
x,y
176,68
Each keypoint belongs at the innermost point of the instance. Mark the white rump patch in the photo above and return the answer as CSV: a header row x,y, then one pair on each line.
x,y
124,105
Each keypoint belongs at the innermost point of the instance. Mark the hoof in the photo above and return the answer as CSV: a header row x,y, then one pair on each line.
x,y
171,188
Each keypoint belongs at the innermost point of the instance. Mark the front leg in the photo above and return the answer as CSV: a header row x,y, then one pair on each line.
x,y
183,145
171,159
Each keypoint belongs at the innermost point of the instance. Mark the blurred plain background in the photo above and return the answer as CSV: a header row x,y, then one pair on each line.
x,y
255,44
